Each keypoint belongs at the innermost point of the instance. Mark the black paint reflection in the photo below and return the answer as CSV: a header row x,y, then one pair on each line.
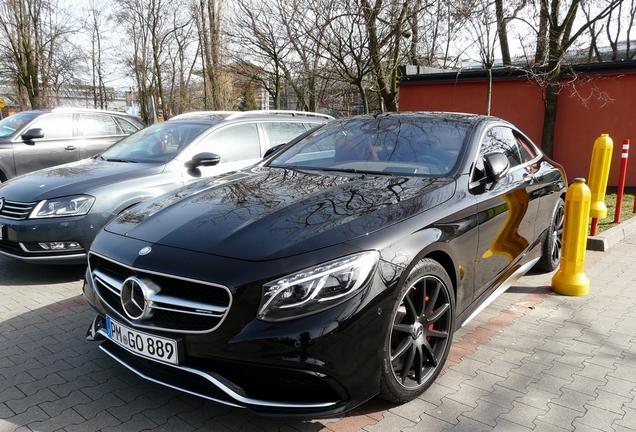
x,y
289,206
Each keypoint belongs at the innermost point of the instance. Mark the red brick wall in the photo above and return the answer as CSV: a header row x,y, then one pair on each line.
x,y
519,101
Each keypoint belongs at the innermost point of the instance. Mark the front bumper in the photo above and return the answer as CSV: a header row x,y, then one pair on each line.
x,y
21,239
319,365
226,383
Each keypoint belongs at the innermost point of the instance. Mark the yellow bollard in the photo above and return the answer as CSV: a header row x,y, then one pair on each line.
x,y
570,278
599,172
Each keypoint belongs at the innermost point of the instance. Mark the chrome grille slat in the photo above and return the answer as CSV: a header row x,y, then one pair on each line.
x,y
191,311
112,284
186,305
16,210
178,311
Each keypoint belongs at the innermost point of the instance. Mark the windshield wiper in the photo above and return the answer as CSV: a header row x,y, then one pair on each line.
x,y
358,171
118,160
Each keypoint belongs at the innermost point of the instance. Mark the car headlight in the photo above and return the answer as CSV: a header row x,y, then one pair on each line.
x,y
66,206
317,288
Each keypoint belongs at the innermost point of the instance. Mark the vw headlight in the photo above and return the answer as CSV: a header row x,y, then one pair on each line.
x,y
317,288
66,206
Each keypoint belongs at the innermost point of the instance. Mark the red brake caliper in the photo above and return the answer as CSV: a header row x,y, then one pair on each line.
x,y
430,326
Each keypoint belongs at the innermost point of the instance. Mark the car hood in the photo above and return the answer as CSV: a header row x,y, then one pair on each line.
x,y
73,178
268,213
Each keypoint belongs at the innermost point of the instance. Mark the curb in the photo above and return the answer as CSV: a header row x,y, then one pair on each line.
x,y
609,238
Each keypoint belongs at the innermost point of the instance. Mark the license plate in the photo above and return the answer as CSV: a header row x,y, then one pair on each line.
x,y
144,344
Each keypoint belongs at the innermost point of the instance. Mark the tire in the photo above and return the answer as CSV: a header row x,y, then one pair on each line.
x,y
553,243
419,334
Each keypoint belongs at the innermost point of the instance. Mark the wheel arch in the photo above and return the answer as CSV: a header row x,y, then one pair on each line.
x,y
442,253
430,243
447,263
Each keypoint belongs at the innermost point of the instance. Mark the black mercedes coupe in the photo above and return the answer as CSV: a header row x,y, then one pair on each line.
x,y
335,270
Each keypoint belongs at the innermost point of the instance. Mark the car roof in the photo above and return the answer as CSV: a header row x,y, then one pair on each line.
x,y
217,116
448,115
77,110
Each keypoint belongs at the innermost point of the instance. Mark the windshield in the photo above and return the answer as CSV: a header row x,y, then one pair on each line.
x,y
400,145
157,143
14,122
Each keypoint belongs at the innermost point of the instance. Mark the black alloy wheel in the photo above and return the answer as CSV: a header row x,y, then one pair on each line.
x,y
551,257
420,333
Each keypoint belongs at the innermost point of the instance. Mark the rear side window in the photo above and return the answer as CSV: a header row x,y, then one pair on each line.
x,y
55,126
92,125
282,133
526,149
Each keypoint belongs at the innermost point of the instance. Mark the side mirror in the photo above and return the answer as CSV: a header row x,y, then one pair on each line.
x,y
496,166
203,159
32,134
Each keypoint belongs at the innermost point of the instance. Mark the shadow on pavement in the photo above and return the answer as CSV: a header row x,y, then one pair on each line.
x,y
13,272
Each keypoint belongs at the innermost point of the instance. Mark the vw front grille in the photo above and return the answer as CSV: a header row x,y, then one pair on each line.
x,y
16,210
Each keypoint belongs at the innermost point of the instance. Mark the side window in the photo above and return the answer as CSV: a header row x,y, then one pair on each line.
x,y
55,126
501,139
233,143
92,125
526,149
126,126
281,132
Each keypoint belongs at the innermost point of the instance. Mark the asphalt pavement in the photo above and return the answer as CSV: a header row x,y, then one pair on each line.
x,y
532,361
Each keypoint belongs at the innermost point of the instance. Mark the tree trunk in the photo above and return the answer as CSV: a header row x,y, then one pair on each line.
x,y
503,34
370,14
363,96
489,89
542,35
549,118
210,39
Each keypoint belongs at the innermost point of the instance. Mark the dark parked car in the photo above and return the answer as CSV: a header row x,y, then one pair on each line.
x,y
52,215
31,140
336,270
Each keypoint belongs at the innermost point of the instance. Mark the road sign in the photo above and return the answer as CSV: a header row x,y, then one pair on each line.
x,y
132,110
1,103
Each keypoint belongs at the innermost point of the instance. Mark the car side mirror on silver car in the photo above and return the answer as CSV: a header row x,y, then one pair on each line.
x,y
203,159
32,134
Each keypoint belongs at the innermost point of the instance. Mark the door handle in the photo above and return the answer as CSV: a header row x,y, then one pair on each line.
x,y
70,148
528,178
